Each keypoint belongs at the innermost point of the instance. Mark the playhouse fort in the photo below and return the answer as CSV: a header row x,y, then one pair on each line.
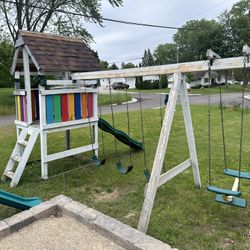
x,y
55,105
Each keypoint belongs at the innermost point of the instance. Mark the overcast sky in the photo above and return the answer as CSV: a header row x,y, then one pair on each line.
x,y
119,42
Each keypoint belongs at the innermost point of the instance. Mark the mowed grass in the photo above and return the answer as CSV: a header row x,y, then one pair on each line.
x,y
183,216
202,91
7,100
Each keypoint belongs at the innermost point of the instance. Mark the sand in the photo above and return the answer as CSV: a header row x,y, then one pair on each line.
x,y
56,234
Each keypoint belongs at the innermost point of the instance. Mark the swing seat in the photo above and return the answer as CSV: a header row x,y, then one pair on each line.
x,y
235,201
96,161
122,169
227,192
236,173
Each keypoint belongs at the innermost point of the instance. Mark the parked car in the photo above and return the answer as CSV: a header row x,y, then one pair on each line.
x,y
119,85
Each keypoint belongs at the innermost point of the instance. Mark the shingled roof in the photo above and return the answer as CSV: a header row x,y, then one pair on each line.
x,y
54,53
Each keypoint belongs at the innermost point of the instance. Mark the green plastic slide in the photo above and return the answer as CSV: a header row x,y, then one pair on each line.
x,y
120,135
17,201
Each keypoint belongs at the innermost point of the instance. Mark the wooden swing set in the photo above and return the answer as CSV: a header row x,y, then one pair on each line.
x,y
179,87
28,127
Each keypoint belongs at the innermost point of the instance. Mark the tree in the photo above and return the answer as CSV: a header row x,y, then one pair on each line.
x,y
166,54
52,15
113,66
127,65
104,65
147,59
236,23
195,37
6,49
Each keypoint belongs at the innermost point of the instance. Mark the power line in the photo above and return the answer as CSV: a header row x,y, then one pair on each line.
x,y
101,18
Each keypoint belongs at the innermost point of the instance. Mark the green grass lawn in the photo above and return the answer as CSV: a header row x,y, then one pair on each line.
x,y
7,100
204,91
183,216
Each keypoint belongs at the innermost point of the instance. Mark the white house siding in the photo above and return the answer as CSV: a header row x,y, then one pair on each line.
x,y
130,81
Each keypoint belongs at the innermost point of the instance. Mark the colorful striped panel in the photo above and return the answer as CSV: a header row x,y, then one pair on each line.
x,y
33,105
49,109
90,105
71,106
18,103
78,106
21,108
24,111
57,108
65,113
37,105
84,106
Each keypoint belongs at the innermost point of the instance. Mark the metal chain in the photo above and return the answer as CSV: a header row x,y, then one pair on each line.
x,y
142,131
242,116
223,131
209,125
113,121
130,149
102,133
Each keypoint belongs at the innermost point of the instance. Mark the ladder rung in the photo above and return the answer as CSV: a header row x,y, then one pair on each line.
x,y
16,158
23,143
9,174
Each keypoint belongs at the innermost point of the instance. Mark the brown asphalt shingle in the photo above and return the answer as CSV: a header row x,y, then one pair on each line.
x,y
56,53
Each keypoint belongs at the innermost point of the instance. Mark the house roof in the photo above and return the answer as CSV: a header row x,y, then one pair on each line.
x,y
54,53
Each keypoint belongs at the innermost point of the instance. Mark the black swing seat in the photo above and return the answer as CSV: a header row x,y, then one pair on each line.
x,y
236,173
235,201
227,192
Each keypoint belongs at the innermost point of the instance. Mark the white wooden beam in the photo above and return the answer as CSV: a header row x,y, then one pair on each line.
x,y
159,156
189,132
27,84
74,151
32,57
14,61
170,174
219,64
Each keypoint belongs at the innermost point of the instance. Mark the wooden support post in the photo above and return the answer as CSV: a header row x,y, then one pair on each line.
x,y
159,156
26,67
43,134
189,132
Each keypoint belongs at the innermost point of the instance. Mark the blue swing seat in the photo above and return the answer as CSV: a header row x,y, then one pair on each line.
x,y
227,192
235,201
236,173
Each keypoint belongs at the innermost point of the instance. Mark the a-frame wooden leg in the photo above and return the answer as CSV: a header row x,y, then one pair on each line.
x,y
44,154
159,156
189,132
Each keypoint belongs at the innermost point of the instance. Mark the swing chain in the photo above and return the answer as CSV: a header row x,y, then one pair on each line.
x,y
209,122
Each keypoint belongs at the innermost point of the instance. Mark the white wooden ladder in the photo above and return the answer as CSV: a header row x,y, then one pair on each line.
x,y
20,155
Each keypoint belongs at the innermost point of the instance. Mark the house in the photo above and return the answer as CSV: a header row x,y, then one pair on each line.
x,y
130,81
202,78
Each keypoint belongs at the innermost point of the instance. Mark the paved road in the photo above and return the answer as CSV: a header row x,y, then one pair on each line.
x,y
156,100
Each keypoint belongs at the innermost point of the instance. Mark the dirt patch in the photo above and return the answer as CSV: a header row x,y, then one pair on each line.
x,y
108,196
130,215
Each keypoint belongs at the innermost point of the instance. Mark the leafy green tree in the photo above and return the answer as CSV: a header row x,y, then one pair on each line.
x,y
113,67
104,65
37,15
127,65
6,49
166,54
196,37
147,59
236,23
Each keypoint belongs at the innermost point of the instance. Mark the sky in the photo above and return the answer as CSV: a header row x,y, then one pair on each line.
x,y
117,43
